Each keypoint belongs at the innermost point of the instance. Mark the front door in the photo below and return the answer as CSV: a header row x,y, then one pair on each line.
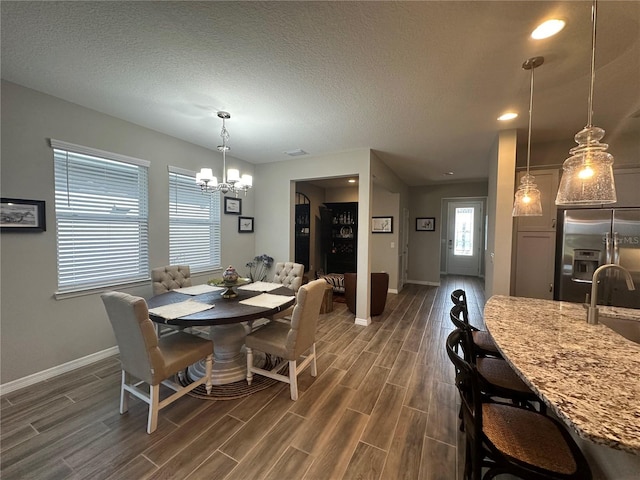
x,y
464,238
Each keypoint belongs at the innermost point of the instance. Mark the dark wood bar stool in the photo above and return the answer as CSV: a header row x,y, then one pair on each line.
x,y
503,438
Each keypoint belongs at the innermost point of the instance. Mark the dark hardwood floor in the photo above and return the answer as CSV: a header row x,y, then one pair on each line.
x,y
383,406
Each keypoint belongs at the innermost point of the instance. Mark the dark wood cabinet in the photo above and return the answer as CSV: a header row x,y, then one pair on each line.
x,y
340,237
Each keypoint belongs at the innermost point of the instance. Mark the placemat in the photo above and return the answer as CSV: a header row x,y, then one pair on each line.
x,y
177,310
261,286
267,300
198,289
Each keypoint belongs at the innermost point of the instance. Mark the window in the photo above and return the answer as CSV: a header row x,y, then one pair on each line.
x,y
463,236
101,218
194,223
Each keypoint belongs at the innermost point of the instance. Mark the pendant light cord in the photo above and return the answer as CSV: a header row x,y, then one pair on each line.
x,y
594,9
530,115
225,136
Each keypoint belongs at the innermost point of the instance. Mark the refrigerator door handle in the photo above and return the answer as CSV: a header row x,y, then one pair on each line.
x,y
607,245
616,249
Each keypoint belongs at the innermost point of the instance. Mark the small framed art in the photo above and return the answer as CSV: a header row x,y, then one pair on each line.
x,y
18,215
382,225
245,224
233,205
425,224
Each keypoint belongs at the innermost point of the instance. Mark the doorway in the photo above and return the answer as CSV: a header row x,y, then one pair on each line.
x,y
464,239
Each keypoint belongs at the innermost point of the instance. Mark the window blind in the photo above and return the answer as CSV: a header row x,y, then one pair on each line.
x,y
101,218
194,223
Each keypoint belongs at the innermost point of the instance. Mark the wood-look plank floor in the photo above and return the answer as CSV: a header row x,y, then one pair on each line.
x,y
383,406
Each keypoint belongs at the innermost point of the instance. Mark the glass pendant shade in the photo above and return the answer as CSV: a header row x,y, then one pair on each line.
x,y
527,202
527,198
587,177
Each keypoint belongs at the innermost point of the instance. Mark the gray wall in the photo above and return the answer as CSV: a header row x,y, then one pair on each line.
x,y
39,332
425,252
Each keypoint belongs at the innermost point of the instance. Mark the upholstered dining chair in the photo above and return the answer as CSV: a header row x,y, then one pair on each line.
x,y
170,277
289,274
167,278
145,358
290,341
504,438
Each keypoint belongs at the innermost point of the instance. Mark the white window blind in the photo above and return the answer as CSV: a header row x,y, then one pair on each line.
x,y
194,223
101,217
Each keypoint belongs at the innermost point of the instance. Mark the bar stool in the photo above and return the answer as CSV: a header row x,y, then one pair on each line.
x,y
505,438
499,379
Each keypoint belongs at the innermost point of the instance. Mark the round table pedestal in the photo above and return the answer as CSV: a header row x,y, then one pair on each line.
x,y
229,357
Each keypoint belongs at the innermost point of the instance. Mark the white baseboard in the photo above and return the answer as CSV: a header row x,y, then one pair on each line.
x,y
365,322
393,290
421,282
58,370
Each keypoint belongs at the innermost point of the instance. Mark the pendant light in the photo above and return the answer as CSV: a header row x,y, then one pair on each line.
x,y
587,177
527,201
231,180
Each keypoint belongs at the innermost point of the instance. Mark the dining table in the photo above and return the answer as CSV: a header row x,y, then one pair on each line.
x,y
228,320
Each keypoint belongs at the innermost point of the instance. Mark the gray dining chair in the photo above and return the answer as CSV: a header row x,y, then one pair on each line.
x,y
290,275
145,358
170,277
167,278
289,341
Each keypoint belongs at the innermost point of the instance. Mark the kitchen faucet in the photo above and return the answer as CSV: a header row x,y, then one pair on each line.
x,y
592,309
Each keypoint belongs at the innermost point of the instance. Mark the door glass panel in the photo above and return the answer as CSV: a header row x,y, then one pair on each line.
x,y
463,235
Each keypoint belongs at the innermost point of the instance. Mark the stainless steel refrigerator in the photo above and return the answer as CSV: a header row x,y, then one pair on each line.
x,y
590,237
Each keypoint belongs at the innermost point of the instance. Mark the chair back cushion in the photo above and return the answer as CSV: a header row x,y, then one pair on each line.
x,y
167,278
304,319
136,336
289,274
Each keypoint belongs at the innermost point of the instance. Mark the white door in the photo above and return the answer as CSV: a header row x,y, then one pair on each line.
x,y
464,237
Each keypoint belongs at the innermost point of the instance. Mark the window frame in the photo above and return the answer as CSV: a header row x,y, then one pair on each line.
x,y
86,209
185,182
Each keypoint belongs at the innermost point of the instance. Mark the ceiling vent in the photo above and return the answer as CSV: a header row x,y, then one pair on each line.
x,y
296,153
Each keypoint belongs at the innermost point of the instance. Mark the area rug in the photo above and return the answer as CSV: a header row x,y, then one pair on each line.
x,y
232,391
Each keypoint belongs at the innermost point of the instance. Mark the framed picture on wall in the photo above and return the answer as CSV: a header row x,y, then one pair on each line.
x,y
425,224
233,205
18,215
382,225
245,224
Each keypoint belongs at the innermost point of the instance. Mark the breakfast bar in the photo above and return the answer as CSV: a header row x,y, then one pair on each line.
x,y
588,375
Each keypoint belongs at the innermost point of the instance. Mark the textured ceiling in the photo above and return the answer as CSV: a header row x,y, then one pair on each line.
x,y
421,83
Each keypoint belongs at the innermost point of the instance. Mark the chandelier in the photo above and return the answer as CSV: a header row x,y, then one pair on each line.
x,y
527,201
588,174
231,179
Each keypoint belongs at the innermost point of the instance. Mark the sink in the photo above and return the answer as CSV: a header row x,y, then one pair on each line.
x,y
626,327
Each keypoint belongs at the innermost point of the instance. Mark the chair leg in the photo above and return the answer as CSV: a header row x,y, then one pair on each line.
x,y
249,365
154,397
124,394
293,379
209,368
314,366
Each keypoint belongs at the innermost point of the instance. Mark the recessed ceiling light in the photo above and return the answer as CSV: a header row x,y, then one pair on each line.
x,y
447,174
547,29
351,180
507,116
296,153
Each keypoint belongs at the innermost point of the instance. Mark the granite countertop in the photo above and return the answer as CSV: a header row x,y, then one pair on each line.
x,y
588,375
